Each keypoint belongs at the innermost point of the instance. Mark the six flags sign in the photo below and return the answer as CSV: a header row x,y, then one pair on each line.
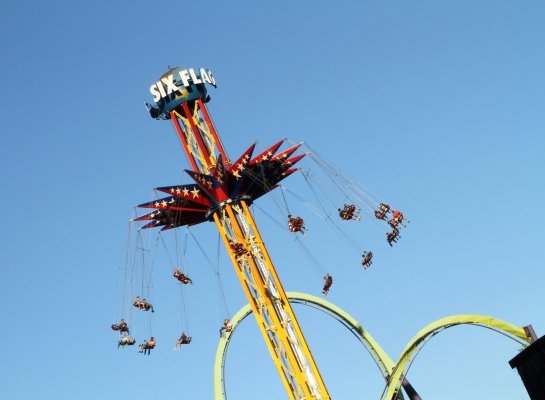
x,y
178,80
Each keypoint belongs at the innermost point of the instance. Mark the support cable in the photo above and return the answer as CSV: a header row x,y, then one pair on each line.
x,y
320,269
220,286
216,272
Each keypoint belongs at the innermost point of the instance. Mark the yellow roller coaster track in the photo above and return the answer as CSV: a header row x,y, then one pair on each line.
x,y
393,373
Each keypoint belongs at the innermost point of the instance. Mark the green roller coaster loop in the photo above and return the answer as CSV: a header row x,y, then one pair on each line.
x,y
383,361
392,372
413,347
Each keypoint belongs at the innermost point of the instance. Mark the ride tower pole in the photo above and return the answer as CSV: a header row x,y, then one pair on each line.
x,y
222,193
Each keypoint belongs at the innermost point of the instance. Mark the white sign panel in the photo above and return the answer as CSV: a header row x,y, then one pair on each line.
x,y
187,77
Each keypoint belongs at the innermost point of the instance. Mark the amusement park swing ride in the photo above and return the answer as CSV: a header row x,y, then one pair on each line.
x,y
222,192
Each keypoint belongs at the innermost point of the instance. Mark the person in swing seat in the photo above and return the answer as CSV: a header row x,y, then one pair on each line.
x,y
121,326
147,346
142,304
328,281
183,339
392,237
125,340
296,224
181,277
227,327
367,259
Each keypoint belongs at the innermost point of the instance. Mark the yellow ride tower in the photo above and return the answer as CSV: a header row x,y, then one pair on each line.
x,y
221,193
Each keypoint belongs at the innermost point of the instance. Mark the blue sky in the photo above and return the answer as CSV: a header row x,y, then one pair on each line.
x,y
435,106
